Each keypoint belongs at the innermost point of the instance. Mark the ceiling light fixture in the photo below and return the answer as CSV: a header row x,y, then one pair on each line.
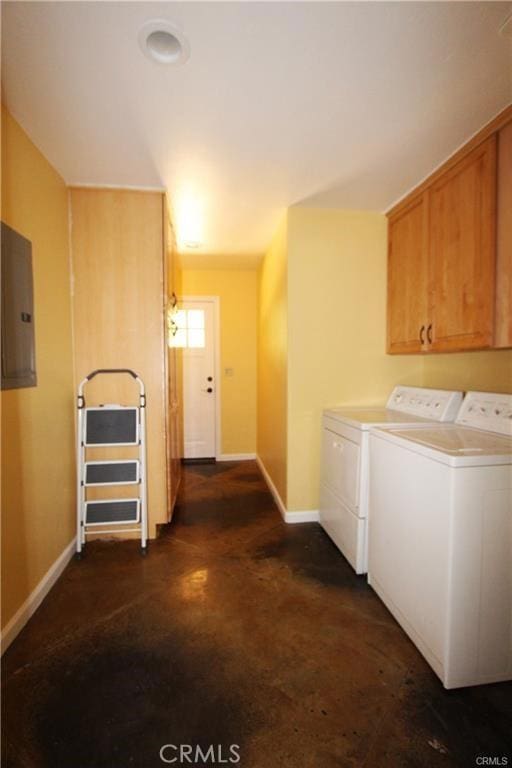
x,y
164,43
189,218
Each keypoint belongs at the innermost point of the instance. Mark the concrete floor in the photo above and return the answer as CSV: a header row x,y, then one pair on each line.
x,y
236,629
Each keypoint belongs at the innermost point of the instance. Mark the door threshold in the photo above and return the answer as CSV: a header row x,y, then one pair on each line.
x,y
206,460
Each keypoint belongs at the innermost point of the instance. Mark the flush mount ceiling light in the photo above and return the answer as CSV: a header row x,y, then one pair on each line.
x,y
164,43
189,217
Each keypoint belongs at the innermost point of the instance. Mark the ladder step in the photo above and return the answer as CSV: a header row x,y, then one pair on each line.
x,y
111,425
104,511
112,472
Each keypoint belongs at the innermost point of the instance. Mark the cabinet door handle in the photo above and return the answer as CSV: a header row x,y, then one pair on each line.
x,y
429,334
422,337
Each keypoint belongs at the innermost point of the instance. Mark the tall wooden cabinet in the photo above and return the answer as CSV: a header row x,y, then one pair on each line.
x,y
174,369
121,281
449,257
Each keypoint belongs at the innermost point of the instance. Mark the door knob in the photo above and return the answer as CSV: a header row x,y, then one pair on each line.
x,y
210,378
210,389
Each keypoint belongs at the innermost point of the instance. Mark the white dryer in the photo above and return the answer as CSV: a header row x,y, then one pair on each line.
x,y
440,541
344,474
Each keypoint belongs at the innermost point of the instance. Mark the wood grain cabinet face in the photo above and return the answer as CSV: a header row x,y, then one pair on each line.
x,y
174,375
450,252
462,252
503,335
408,279
119,301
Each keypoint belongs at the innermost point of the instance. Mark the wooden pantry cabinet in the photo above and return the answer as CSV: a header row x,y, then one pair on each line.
x,y
123,275
174,369
450,252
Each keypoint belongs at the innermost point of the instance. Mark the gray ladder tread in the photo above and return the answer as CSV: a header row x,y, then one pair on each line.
x,y
103,511
111,426
118,472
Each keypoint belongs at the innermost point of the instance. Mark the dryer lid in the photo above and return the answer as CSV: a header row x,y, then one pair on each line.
x,y
364,418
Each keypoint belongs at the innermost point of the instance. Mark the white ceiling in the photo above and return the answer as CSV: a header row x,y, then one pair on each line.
x,y
325,104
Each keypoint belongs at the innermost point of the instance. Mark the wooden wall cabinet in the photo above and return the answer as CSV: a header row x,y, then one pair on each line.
x,y
503,334
450,252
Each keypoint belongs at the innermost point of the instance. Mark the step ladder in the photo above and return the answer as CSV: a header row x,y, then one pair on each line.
x,y
111,426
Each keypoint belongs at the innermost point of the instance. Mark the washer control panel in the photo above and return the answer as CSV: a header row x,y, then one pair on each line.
x,y
487,410
432,404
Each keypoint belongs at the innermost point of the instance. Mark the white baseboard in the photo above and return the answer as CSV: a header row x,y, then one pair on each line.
x,y
273,490
302,516
36,597
236,457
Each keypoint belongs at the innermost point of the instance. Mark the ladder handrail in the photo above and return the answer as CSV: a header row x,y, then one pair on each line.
x,y
111,370
81,399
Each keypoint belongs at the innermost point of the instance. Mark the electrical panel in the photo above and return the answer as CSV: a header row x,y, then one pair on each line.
x,y
18,347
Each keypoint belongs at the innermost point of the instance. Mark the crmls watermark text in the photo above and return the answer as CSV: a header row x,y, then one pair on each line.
x,y
487,760
215,754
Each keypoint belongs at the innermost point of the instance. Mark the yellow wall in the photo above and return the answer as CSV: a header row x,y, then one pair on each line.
x,y
336,320
486,371
330,267
38,475
237,289
273,361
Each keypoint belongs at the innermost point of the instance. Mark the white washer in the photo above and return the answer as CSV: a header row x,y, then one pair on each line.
x,y
440,539
343,509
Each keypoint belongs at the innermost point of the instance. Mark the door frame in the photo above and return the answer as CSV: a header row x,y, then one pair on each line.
x,y
215,300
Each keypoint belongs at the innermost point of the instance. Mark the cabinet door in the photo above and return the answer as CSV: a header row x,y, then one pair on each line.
x,y
503,335
462,233
408,278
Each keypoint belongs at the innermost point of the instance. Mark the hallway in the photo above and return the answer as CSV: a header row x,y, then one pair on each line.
x,y
235,630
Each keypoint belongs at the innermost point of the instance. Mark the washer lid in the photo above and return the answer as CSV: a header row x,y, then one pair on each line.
x,y
455,445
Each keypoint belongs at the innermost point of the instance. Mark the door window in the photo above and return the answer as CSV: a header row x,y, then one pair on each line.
x,y
189,329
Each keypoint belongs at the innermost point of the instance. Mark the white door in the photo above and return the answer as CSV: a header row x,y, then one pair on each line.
x,y
199,385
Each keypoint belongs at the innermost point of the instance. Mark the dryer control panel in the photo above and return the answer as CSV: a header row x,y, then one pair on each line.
x,y
432,404
487,410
